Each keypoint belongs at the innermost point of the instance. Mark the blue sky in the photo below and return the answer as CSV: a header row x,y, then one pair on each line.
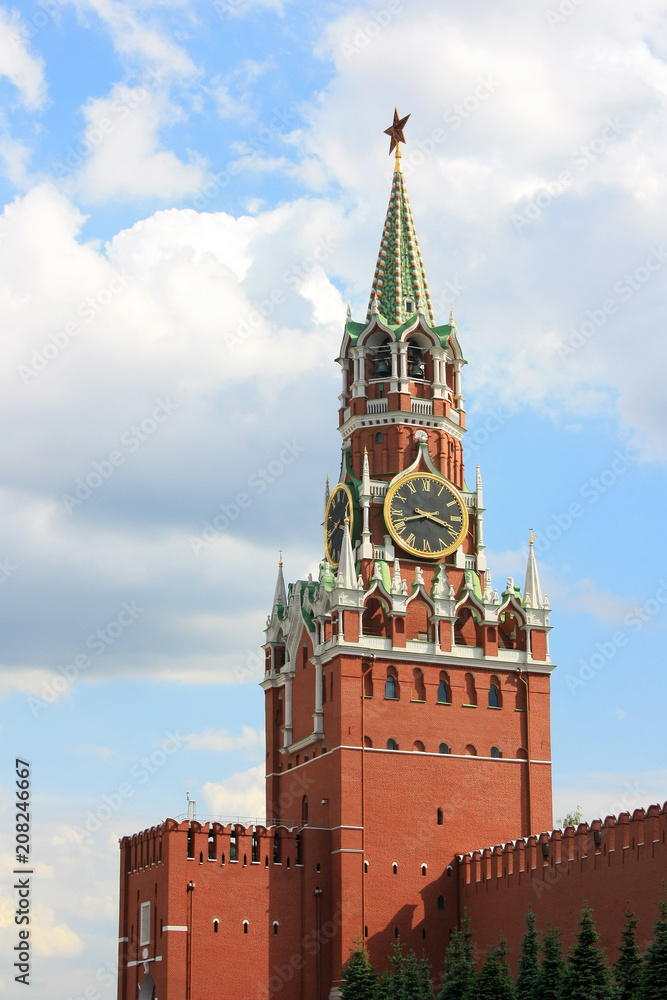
x,y
173,172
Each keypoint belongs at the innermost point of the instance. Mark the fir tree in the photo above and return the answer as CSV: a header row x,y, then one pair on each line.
x,y
411,987
394,981
360,981
493,981
653,981
529,968
425,984
459,972
552,968
629,963
587,974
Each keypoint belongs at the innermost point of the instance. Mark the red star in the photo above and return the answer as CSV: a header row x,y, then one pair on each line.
x,y
395,132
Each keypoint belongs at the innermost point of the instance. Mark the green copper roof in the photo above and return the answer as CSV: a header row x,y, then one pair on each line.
x,y
354,330
399,273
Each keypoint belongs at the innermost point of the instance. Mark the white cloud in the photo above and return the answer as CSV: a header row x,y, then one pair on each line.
x,y
17,63
602,794
248,739
240,795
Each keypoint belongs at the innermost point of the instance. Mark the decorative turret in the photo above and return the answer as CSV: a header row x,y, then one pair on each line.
x,y
280,594
532,591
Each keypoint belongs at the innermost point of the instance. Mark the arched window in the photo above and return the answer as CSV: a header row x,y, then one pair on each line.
x,y
418,686
391,688
211,846
395,932
424,867
368,742
444,748
378,437
374,619
495,752
255,848
495,696
471,750
521,754
520,695
245,926
233,847
416,361
215,926
276,849
380,360
394,869
304,810
418,746
276,925
465,629
365,867
471,691
392,745
444,693
441,902
440,815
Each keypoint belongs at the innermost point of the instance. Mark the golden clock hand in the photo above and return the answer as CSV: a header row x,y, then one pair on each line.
x,y
438,520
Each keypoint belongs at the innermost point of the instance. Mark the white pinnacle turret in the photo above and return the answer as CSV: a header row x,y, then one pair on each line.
x,y
532,591
347,576
280,595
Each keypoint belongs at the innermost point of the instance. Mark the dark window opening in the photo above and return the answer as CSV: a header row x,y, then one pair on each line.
x,y
245,926
215,926
304,810
496,752
298,860
441,902
211,846
233,848
276,849
255,848
378,437
444,748
275,926
394,869
392,745
191,845
444,697
440,817
416,362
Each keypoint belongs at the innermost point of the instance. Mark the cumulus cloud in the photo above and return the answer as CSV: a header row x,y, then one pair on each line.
x,y
242,795
603,794
18,64
220,740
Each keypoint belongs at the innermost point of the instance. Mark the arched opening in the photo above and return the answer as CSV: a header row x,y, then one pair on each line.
x,y
510,633
392,744
368,742
211,846
418,746
444,748
471,751
520,695
277,849
440,816
417,620
495,695
276,925
254,848
245,926
416,361
304,811
465,628
374,620
496,752
441,902
215,926
471,690
418,686
424,868
365,867
444,690
379,356
233,847
394,869
391,688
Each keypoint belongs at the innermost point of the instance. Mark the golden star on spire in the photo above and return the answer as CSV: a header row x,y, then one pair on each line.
x,y
395,131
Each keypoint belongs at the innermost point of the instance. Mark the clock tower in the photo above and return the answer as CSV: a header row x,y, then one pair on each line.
x,y
407,697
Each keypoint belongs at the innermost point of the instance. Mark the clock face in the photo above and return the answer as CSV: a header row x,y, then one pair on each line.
x,y
339,508
425,515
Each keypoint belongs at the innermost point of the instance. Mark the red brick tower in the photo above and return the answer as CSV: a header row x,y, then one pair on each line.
x,y
410,697
407,702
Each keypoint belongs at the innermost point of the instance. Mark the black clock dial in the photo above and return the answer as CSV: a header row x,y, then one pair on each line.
x,y
425,515
339,508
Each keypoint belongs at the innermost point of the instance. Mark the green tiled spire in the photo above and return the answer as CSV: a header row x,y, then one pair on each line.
x,y
399,273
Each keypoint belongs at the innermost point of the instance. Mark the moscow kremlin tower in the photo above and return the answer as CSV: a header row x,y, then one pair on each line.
x,y
407,700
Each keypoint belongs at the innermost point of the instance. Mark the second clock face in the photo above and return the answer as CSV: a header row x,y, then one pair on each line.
x,y
339,508
425,515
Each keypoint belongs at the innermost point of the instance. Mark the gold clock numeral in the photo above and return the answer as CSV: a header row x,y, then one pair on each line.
x,y
399,525
452,503
399,497
443,543
425,546
441,489
395,513
411,539
411,487
426,485
455,517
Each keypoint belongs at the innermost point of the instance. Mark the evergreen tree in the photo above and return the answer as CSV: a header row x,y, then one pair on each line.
x,y
653,981
529,968
394,981
629,963
411,987
587,974
459,972
494,980
552,969
360,981
425,984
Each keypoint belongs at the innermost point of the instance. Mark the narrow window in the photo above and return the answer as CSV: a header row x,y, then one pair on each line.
x,y
275,926
391,689
191,844
276,849
145,924
365,867
495,752
395,932
392,745
288,863
266,861
418,687
471,750
424,933
331,688
394,869
444,697
368,679
471,690
440,815
378,437
324,686
233,847
304,655
245,860
444,748
215,926
298,860
424,867
201,857
418,746
495,697
245,926
304,810
211,846
222,859
255,848
441,902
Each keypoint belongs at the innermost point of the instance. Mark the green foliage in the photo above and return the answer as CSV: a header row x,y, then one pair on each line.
x,y
529,967
459,972
552,969
360,981
573,818
628,966
653,982
425,984
587,975
395,979
494,980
